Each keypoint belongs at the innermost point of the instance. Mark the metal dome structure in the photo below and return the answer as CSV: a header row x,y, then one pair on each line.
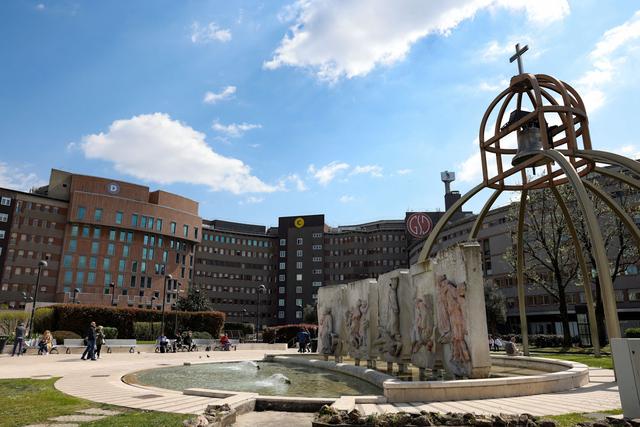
x,y
548,120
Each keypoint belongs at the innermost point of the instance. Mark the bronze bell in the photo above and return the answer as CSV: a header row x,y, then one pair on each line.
x,y
529,141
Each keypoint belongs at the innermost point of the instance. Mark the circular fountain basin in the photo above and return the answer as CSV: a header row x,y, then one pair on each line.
x,y
272,379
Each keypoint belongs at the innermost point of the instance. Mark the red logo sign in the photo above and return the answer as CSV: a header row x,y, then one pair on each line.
x,y
419,225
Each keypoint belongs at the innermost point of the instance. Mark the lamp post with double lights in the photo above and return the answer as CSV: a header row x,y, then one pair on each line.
x,y
261,290
164,300
41,264
75,292
112,286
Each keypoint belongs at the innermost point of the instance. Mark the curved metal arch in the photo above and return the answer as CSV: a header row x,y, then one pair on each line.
x,y
611,158
586,273
428,244
483,213
619,176
599,252
620,213
522,307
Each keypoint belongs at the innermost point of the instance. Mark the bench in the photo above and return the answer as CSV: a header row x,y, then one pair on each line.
x,y
204,343
70,343
233,342
33,344
130,343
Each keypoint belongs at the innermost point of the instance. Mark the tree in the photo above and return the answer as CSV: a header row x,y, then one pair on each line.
x,y
620,246
495,307
309,314
194,301
550,263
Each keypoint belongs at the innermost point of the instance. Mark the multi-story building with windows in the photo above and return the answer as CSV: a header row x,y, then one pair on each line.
x,y
232,261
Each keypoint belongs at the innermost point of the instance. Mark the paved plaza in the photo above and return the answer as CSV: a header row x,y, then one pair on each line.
x,y
101,382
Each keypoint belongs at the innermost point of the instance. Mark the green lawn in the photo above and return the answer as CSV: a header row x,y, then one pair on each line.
x,y
570,420
576,354
27,401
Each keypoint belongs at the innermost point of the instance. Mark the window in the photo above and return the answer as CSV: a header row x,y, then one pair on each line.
x,y
119,216
299,265
96,233
280,314
185,230
112,234
281,289
125,251
283,242
298,289
134,220
298,314
5,201
173,228
81,212
74,230
132,282
95,247
317,247
106,263
299,241
316,284
111,249
317,235
195,233
283,265
143,221
281,278
107,278
281,302
120,280
159,224
317,259
283,254
134,266
121,265
634,294
67,261
150,223
91,277
82,261
97,215
68,277
2,232
85,231
79,277
317,271
299,302
4,217
93,262
299,277
73,244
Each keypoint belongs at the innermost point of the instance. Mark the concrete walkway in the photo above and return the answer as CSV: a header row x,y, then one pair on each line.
x,y
100,381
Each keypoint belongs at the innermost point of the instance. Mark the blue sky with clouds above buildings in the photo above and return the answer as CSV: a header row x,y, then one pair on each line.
x,y
265,109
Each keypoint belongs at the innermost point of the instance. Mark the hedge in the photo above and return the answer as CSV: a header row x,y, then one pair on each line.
x,y
10,319
43,320
632,332
246,328
60,336
285,333
76,318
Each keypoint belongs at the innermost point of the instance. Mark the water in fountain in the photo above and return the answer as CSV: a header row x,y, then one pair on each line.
x,y
274,380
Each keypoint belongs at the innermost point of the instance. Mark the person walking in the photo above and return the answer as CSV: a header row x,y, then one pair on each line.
x,y
100,340
19,339
90,338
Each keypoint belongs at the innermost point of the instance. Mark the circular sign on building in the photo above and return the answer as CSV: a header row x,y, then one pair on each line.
x,y
299,222
419,225
113,188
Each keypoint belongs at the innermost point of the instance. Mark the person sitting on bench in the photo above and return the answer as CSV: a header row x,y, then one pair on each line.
x,y
225,343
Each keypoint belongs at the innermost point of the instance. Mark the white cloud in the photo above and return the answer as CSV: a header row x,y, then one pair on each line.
x,y
494,50
251,200
373,170
40,6
209,33
346,199
327,173
470,170
226,93
497,86
254,145
16,178
235,130
404,171
610,53
348,38
153,147
293,179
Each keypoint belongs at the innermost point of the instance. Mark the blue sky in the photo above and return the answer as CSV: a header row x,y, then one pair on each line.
x,y
266,109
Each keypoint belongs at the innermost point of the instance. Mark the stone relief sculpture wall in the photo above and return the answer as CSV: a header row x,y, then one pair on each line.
x,y
331,320
394,316
361,318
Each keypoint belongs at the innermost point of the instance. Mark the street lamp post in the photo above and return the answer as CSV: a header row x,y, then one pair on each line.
x,y
75,292
112,286
261,289
152,322
175,308
164,299
41,264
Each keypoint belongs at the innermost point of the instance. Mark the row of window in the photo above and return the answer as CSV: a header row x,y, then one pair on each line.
x,y
236,240
366,239
39,207
235,252
5,201
368,251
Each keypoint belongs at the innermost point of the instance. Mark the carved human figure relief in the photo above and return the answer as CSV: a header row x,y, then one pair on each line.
x,y
452,327
422,330
326,332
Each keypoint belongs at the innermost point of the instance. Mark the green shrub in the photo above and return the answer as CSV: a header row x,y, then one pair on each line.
x,y
76,318
286,333
146,331
43,319
10,319
246,328
110,333
60,336
632,332
202,335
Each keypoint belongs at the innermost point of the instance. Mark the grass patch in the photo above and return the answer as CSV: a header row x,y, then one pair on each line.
x,y
29,401
585,358
570,420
